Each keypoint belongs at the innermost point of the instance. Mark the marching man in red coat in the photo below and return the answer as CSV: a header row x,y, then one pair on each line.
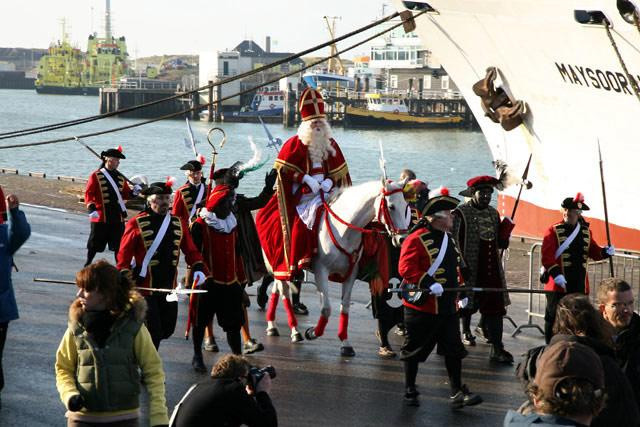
x,y
150,251
193,194
566,247
104,196
430,259
307,163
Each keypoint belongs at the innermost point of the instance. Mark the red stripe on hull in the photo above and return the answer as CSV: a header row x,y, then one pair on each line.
x,y
533,221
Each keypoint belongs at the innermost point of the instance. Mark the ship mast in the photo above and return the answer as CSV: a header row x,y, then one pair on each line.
x,y
107,21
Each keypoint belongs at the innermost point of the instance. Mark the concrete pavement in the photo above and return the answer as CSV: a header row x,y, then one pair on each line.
x,y
314,386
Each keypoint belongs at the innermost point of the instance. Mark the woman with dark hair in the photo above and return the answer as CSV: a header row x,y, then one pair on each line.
x,y
104,348
578,321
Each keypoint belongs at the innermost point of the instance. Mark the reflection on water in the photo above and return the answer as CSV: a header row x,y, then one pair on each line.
x,y
156,150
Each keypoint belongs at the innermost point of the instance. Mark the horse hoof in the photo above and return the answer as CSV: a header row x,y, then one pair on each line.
x,y
310,333
347,351
297,337
273,332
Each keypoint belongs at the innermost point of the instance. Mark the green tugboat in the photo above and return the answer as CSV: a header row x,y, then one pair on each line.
x,y
66,70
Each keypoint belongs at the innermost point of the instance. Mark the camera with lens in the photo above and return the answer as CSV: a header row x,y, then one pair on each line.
x,y
256,374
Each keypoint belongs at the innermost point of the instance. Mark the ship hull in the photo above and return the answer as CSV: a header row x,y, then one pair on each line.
x,y
362,118
577,95
61,90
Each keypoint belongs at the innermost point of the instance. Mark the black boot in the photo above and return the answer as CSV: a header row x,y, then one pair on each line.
x,y
198,364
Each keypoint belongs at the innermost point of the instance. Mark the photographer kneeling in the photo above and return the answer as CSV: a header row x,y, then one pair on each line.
x,y
235,395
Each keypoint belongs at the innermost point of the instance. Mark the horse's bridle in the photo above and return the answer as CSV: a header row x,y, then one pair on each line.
x,y
384,216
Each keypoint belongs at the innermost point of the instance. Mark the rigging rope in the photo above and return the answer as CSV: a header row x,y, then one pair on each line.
x,y
632,81
60,125
203,106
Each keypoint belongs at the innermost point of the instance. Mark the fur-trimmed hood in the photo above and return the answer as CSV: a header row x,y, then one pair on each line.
x,y
136,303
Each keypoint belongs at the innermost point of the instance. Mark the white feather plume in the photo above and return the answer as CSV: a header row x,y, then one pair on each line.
x,y
255,159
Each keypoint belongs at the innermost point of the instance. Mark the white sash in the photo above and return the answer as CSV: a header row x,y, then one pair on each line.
x,y
198,200
154,246
115,188
563,247
172,421
440,257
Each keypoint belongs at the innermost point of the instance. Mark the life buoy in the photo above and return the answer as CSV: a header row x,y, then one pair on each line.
x,y
396,111
272,106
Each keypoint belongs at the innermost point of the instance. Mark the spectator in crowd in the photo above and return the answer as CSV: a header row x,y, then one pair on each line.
x,y
104,348
615,299
12,235
577,320
229,398
568,388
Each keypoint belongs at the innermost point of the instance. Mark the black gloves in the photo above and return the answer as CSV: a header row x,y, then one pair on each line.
x,y
270,179
76,402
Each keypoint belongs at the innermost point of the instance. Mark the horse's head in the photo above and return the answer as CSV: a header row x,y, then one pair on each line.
x,y
392,209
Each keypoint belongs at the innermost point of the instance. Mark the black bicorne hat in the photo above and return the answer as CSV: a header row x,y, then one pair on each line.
x,y
159,187
192,165
113,152
438,200
575,203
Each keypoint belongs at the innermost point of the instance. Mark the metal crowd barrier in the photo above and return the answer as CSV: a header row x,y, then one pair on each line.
x,y
626,267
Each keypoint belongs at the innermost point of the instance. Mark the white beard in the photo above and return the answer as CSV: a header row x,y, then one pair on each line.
x,y
318,140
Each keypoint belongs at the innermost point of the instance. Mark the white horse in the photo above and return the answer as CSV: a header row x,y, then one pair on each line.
x,y
340,247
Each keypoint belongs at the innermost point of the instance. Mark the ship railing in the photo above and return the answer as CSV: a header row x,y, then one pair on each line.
x,y
626,267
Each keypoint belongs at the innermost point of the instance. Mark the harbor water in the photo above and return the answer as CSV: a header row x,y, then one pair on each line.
x,y
441,157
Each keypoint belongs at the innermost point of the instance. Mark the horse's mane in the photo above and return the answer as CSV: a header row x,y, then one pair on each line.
x,y
355,190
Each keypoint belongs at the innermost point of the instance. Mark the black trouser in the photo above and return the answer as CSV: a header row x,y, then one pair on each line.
x,y
226,303
492,324
3,338
550,314
104,234
424,331
162,316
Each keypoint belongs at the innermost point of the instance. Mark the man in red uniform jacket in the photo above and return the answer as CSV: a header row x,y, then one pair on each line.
x,y
193,194
430,260
104,197
307,164
481,236
150,251
566,247
215,233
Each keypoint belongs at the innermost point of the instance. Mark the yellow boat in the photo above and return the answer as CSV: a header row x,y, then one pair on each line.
x,y
391,111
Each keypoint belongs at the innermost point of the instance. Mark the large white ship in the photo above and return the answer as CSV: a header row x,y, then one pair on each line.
x,y
576,91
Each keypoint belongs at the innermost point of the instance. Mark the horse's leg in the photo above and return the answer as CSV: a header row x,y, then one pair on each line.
x,y
272,328
291,315
322,285
346,349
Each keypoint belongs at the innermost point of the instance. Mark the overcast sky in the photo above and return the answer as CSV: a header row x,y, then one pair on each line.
x,y
186,27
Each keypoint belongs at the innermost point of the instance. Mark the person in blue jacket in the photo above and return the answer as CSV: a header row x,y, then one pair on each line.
x,y
12,235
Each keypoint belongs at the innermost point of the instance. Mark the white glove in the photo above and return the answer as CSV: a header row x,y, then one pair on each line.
x,y
560,281
326,185
610,250
199,278
179,296
436,289
463,302
94,215
137,189
312,183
